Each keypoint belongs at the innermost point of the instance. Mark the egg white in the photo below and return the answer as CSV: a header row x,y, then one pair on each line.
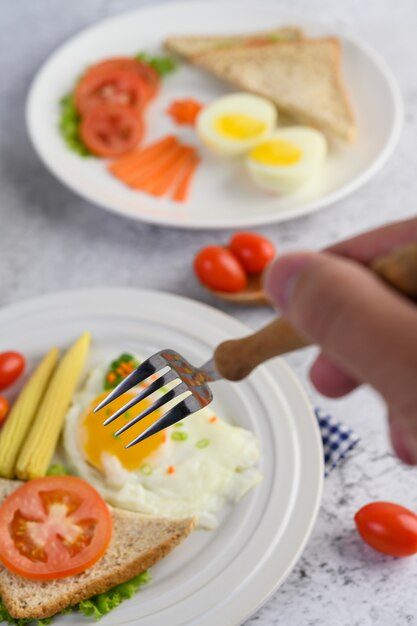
x,y
289,178
237,103
205,480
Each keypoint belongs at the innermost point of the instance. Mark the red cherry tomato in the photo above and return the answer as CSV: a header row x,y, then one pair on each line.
x,y
111,129
388,528
253,251
4,409
12,365
217,268
112,85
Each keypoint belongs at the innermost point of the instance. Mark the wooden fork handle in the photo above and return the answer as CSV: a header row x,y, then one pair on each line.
x,y
235,359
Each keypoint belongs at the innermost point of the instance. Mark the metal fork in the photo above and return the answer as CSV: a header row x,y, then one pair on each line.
x,y
232,360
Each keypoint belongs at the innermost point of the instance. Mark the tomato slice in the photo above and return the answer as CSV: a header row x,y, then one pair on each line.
x,y
111,129
109,86
53,527
147,74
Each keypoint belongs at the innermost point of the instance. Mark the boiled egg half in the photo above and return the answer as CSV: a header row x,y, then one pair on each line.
x,y
233,124
287,159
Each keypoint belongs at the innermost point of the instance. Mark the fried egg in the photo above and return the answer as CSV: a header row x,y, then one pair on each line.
x,y
231,125
194,468
287,159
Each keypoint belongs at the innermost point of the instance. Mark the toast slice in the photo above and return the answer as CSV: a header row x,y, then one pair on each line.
x,y
190,46
303,78
138,542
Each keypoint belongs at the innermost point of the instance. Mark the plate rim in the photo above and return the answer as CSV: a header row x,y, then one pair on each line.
x,y
11,313
332,199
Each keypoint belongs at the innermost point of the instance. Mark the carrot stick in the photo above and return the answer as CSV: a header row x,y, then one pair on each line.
x,y
162,167
141,174
181,191
159,185
135,159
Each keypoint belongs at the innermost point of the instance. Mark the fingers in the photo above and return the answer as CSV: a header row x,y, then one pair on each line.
x,y
363,327
329,379
366,247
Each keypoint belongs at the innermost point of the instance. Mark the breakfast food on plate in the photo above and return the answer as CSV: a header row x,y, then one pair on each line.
x,y
14,431
104,115
189,46
39,445
302,77
164,167
228,268
287,159
51,525
232,124
190,469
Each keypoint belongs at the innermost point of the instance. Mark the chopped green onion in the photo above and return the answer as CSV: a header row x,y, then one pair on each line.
x,y
57,469
178,424
146,469
179,436
202,443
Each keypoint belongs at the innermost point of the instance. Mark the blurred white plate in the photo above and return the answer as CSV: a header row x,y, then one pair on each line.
x,y
214,577
222,196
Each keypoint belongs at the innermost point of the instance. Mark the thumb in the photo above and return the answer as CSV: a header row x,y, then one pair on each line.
x,y
360,323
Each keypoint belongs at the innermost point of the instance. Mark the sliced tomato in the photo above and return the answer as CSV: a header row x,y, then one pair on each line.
x,y
111,129
110,86
149,76
53,527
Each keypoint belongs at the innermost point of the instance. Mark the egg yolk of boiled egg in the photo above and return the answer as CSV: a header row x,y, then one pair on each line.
x,y
238,126
276,152
96,438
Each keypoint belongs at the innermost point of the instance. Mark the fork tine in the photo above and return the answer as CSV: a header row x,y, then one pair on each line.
x,y
142,372
181,410
170,395
157,384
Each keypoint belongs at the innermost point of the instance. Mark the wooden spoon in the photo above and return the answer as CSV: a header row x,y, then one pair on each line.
x,y
253,294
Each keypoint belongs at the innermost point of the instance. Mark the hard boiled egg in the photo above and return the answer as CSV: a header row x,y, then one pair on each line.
x,y
287,159
231,125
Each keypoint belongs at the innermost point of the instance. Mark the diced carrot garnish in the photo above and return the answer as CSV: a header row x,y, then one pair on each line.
x,y
184,111
182,189
133,160
111,377
171,470
213,419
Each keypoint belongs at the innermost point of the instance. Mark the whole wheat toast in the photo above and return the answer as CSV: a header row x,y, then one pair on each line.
x,y
137,543
189,46
303,78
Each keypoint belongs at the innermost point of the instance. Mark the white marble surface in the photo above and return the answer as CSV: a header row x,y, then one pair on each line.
x,y
50,239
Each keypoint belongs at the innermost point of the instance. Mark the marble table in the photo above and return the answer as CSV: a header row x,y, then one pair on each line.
x,y
50,239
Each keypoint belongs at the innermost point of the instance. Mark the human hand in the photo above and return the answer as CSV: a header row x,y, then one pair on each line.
x,y
366,331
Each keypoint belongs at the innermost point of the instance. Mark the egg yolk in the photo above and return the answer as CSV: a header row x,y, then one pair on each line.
x,y
239,126
96,438
276,152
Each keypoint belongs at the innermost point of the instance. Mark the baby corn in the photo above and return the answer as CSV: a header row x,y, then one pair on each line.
x,y
37,451
24,409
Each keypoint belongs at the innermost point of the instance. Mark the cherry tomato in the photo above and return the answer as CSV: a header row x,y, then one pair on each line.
x,y
111,129
388,528
109,86
149,77
253,251
12,365
4,409
53,527
217,268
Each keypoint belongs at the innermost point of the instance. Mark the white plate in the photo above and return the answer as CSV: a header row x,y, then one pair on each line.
x,y
214,577
222,196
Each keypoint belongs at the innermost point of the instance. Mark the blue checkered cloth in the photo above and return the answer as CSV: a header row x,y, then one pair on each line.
x,y
338,440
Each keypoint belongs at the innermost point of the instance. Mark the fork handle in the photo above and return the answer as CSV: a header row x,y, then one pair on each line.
x,y
235,359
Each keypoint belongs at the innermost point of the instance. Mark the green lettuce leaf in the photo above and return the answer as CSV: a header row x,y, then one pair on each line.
x,y
163,65
69,126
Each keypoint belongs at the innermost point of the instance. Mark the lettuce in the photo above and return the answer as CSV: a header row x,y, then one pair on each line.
x,y
94,607
69,126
